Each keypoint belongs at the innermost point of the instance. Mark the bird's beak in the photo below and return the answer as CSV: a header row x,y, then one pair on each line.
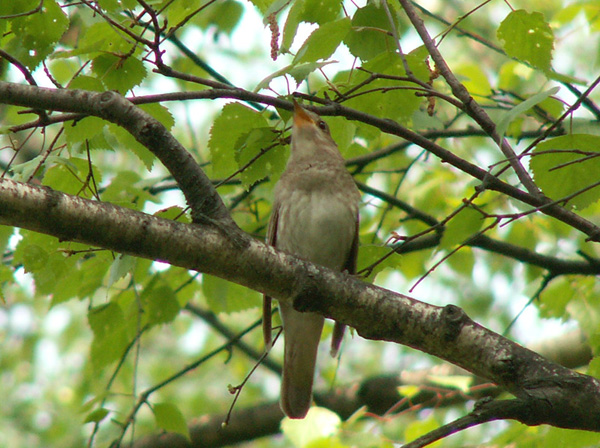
x,y
301,118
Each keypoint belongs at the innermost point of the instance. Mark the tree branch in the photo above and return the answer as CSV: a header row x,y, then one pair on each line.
x,y
374,312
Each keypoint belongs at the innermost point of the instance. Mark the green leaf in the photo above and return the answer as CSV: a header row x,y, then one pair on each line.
x,y
34,258
371,254
391,98
169,418
72,176
555,298
527,37
226,297
118,73
173,213
125,190
323,41
342,132
47,278
5,233
476,81
409,391
258,157
234,121
160,113
35,35
299,72
321,11
569,438
463,225
370,33
122,266
565,165
291,25
98,38
160,305
521,108
82,130
126,140
108,325
86,83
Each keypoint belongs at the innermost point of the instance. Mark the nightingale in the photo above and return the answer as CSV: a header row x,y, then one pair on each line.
x,y
315,217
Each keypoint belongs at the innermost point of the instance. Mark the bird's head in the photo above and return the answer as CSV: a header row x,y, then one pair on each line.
x,y
310,134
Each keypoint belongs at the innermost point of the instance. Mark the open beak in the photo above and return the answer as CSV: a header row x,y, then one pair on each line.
x,y
301,118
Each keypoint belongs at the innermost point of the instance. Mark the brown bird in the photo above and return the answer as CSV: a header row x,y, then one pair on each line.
x,y
315,216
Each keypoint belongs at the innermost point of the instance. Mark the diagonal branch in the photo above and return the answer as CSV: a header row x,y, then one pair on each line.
x,y
474,110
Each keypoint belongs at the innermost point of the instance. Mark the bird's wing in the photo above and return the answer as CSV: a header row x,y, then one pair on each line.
x,y
350,267
267,309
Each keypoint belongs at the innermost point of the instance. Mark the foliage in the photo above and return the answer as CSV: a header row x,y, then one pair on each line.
x,y
95,341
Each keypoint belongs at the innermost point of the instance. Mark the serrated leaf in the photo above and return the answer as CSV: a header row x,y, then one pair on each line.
x,y
521,108
476,82
234,121
463,225
108,325
169,418
396,104
34,258
122,266
39,30
368,255
294,18
299,72
160,305
117,73
160,113
126,140
84,129
370,33
527,37
321,11
72,176
258,157
323,41
86,83
565,165
227,297
173,213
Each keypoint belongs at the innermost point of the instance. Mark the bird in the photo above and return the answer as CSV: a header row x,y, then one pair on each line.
x,y
315,216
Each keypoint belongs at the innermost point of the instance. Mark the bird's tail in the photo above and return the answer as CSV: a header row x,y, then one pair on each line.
x,y
302,333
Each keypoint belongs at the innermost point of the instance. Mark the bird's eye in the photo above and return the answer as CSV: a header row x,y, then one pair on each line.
x,y
323,126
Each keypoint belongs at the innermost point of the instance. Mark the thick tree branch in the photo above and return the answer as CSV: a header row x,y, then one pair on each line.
x,y
471,106
374,312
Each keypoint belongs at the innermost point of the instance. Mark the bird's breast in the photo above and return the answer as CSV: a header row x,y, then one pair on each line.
x,y
318,225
